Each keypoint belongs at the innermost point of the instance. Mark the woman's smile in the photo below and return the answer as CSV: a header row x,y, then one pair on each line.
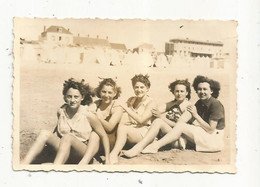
x,y
107,93
140,89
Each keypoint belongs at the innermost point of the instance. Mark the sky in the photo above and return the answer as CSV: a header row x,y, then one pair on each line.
x,y
135,32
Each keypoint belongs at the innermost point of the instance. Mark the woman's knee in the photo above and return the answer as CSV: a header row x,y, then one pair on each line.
x,y
94,136
44,135
158,122
186,129
181,125
121,128
66,139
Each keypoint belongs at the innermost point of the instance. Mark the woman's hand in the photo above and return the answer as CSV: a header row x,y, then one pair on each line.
x,y
156,112
193,110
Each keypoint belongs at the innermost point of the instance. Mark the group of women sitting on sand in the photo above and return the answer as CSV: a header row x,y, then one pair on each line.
x,y
110,125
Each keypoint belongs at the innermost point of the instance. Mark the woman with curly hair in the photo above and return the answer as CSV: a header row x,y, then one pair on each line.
x,y
139,113
167,115
207,132
77,128
107,109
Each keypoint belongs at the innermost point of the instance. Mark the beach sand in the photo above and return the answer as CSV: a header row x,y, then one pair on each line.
x,y
41,96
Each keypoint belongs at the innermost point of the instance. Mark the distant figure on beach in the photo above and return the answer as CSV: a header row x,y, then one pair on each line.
x,y
207,132
138,110
167,115
77,128
108,111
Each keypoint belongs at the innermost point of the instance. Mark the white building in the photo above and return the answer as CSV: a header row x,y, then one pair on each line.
x,y
91,42
194,48
144,48
57,35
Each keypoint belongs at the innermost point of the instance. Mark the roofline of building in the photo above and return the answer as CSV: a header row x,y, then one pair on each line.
x,y
46,31
118,46
86,37
57,32
196,41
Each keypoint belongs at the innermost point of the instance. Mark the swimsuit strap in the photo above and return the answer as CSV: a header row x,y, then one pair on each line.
x,y
175,106
98,104
132,101
110,111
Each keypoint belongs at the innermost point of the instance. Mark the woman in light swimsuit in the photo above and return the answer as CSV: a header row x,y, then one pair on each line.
x,y
167,116
76,127
139,111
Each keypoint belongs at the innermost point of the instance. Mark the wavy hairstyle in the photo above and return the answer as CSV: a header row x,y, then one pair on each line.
x,y
214,85
182,82
108,82
82,87
141,78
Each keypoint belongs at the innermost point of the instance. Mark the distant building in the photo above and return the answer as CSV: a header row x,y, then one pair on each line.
x,y
194,48
144,48
91,42
118,47
57,35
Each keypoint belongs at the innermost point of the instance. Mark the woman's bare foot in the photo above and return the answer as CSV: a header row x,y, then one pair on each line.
x,y
113,158
182,143
132,152
152,148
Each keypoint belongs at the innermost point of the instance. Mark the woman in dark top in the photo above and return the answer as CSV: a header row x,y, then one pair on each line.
x,y
207,130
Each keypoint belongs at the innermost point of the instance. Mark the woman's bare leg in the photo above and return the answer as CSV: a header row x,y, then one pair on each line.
x,y
67,142
172,136
45,137
86,151
112,140
124,134
157,125
182,142
92,148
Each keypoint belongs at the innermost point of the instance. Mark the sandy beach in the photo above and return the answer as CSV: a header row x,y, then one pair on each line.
x,y
41,96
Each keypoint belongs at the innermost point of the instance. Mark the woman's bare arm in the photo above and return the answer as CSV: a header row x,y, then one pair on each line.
x,y
185,117
110,125
208,127
98,128
141,119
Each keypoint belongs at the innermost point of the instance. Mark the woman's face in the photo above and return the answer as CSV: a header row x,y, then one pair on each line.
x,y
73,98
204,92
107,94
140,89
180,92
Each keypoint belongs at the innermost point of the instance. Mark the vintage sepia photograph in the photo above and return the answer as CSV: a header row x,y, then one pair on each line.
x,y
125,95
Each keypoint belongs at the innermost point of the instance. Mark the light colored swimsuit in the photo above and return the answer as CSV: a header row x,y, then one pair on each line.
x,y
140,110
78,126
108,112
